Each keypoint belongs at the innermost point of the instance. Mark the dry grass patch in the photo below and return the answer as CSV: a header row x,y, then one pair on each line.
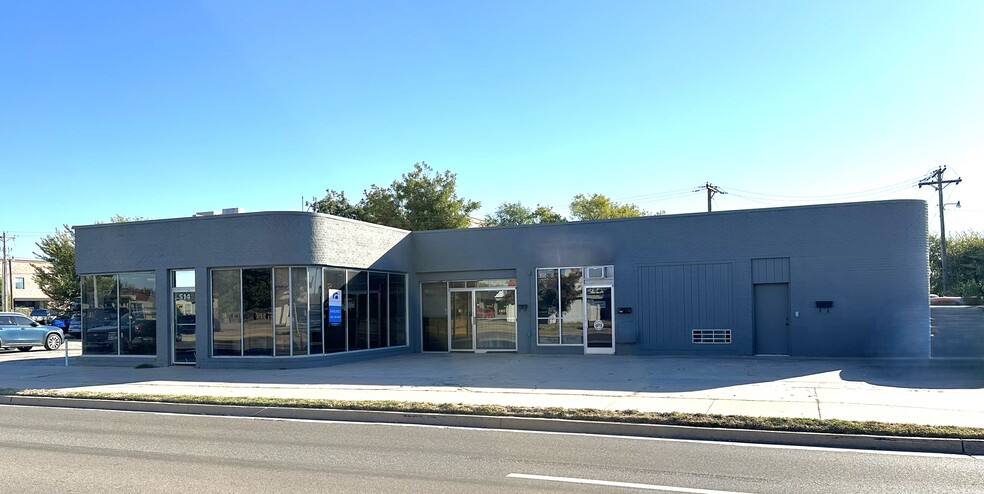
x,y
590,414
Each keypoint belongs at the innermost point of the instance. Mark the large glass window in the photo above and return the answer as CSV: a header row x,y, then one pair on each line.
x,y
378,310
258,311
357,310
571,307
335,329
434,314
227,328
547,306
299,311
560,306
138,314
305,310
119,314
397,310
315,296
281,311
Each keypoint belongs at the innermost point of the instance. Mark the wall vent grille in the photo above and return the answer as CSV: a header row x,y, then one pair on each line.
x,y
712,336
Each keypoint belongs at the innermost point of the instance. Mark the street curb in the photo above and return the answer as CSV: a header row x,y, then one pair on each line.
x,y
812,439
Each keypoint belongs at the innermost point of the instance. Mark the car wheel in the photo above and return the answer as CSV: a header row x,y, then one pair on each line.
x,y
24,348
52,342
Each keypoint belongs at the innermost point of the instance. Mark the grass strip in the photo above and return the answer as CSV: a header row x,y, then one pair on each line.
x,y
831,426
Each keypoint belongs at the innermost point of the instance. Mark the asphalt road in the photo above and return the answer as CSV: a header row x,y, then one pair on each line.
x,y
47,450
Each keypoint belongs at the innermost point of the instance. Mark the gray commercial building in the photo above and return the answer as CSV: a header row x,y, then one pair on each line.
x,y
275,289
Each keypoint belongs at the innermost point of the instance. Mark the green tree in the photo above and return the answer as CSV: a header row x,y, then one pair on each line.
x,y
334,203
514,213
600,207
964,264
59,280
421,200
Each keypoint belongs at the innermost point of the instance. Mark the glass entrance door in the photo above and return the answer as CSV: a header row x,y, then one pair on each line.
x,y
599,328
462,322
183,327
483,320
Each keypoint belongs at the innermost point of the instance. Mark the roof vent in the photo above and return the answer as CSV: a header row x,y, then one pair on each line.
x,y
233,210
205,213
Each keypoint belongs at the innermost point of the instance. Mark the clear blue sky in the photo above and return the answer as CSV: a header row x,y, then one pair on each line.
x,y
161,109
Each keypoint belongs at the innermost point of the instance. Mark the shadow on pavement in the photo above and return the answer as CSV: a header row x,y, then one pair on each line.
x,y
511,371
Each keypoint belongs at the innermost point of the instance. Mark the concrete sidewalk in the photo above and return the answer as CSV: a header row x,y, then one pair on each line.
x,y
919,391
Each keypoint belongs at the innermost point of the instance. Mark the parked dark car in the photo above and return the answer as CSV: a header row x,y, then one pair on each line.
x,y
42,316
75,326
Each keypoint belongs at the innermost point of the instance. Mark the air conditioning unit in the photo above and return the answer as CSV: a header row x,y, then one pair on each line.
x,y
598,272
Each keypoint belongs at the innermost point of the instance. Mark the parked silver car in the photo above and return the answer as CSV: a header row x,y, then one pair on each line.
x,y
18,331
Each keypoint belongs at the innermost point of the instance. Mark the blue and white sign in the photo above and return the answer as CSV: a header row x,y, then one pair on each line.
x,y
334,307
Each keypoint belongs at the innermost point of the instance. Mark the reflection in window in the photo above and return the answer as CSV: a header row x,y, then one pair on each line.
x,y
572,319
378,291
119,314
315,296
434,313
258,311
357,311
301,310
281,311
335,336
298,310
560,307
227,321
138,314
397,310
100,323
547,306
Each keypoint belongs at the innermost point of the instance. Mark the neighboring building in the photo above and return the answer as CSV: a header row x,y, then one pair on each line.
x,y
279,289
24,291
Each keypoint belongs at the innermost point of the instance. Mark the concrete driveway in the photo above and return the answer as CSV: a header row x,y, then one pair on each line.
x,y
908,391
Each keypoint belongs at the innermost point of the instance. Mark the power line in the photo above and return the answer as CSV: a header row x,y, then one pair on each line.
x,y
883,190
711,191
939,184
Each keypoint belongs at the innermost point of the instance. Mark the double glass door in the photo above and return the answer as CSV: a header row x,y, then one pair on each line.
x,y
483,320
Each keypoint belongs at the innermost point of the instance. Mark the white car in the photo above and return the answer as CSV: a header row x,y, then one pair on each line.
x,y
20,332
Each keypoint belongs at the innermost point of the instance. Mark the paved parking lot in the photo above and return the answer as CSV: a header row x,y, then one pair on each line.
x,y
38,353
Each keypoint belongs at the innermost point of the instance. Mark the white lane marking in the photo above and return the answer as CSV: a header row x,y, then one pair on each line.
x,y
630,485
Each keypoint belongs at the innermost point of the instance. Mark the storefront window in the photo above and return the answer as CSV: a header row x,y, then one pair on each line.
x,y
434,311
560,309
119,314
294,311
227,327
397,310
335,328
258,312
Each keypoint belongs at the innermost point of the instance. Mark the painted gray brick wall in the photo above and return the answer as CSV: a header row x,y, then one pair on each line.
x,y
870,259
958,332
235,240
247,239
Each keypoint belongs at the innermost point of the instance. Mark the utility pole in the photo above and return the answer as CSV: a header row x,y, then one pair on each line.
x,y
6,278
939,184
711,190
